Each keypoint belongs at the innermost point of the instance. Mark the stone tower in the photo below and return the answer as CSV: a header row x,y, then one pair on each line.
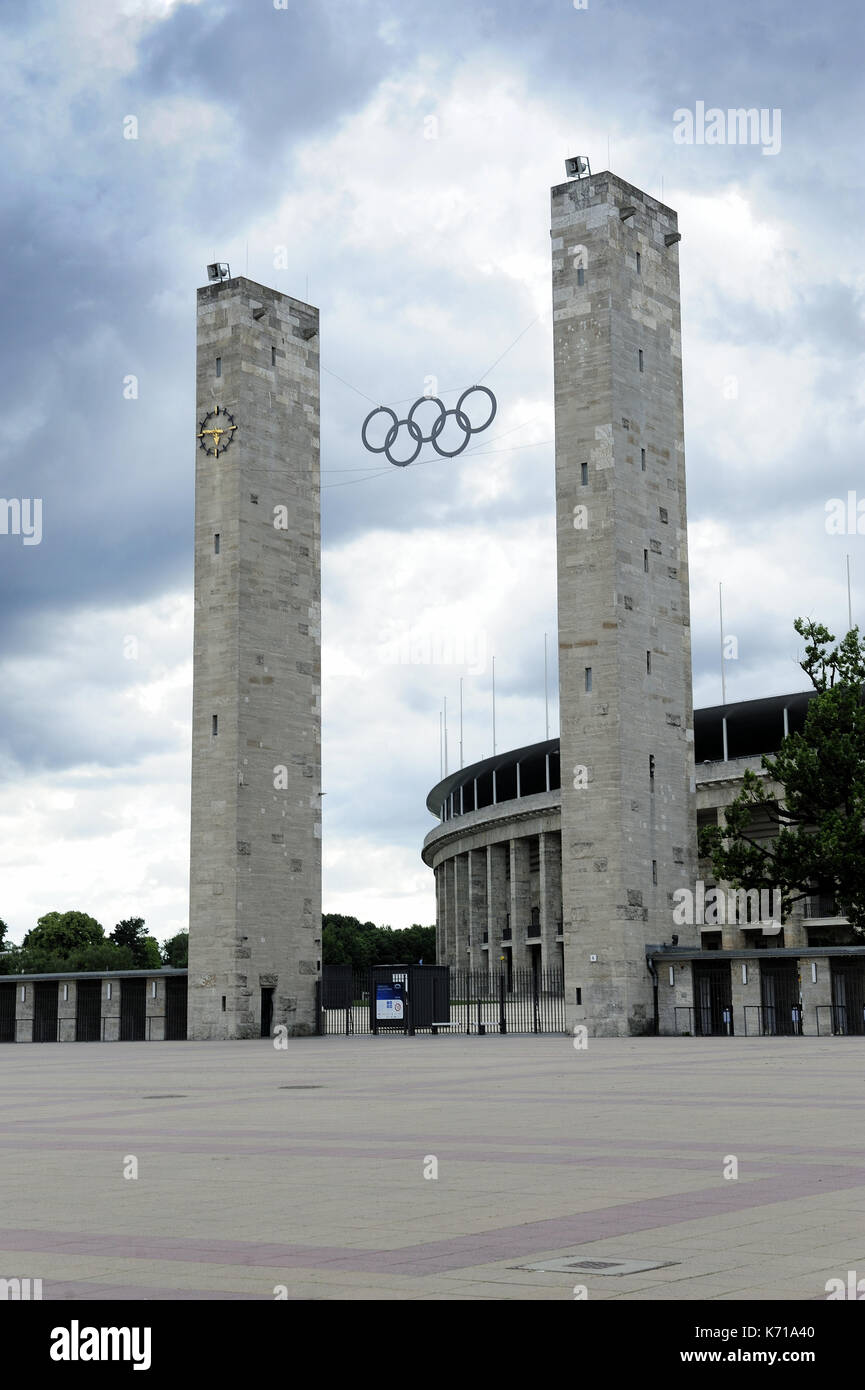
x,y
627,743
255,874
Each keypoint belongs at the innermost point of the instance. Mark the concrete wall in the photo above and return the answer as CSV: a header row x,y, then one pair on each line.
x,y
679,994
746,995
66,1011
24,1011
622,591
816,994
111,1010
255,880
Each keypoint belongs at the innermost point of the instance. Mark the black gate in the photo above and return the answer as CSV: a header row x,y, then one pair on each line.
x,y
429,995
447,1000
7,1013
175,1009
848,997
88,1011
336,987
425,992
133,1010
45,1011
713,999
779,995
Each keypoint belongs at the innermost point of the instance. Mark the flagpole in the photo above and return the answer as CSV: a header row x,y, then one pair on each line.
x,y
849,600
546,693
441,750
723,672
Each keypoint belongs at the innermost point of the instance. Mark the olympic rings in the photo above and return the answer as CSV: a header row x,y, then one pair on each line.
x,y
416,434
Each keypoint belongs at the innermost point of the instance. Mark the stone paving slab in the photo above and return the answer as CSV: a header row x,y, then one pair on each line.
x,y
304,1167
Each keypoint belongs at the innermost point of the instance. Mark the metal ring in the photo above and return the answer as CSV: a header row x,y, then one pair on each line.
x,y
417,434
437,424
391,437
366,444
464,423
476,429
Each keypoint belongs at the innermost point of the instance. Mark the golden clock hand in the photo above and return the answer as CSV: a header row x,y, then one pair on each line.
x,y
217,434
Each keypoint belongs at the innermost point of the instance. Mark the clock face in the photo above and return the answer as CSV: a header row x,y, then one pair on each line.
x,y
216,431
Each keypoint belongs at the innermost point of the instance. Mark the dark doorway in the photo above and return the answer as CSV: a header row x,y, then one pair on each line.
x,y
7,1013
779,995
508,968
713,1000
535,958
45,1011
88,1011
133,1010
848,997
266,1011
175,1010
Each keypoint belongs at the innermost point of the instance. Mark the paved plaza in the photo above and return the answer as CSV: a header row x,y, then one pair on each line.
x,y
303,1169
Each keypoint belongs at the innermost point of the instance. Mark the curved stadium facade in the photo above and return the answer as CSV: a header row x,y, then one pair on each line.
x,y
497,858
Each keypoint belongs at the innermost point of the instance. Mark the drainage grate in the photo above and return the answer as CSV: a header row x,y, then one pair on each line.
x,y
170,1097
584,1265
299,1088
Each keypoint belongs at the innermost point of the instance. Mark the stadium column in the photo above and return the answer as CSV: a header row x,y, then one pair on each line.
x,y
550,894
497,896
461,910
448,915
477,906
520,900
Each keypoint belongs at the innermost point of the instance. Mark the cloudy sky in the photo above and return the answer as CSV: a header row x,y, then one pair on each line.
x,y
391,163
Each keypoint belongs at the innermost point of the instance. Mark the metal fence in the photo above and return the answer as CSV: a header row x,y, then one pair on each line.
x,y
481,1001
771,1021
703,1021
840,1021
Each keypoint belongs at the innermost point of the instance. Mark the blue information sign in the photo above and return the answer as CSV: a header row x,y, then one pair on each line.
x,y
389,1005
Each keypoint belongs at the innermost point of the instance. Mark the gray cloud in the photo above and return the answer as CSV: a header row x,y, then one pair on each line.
x,y
106,238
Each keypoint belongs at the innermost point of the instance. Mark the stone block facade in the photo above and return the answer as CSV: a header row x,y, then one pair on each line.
x,y
628,819
255,877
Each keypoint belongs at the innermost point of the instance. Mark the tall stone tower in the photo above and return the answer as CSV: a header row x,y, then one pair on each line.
x,y
255,877
627,743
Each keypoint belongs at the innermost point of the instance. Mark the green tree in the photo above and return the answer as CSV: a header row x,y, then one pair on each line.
x,y
130,934
9,959
59,933
101,955
175,951
819,824
8,952
419,943
347,941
